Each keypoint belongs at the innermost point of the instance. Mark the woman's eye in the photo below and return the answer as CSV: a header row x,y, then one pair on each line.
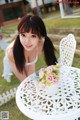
x,y
23,35
34,36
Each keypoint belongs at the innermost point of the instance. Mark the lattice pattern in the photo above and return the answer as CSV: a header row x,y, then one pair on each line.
x,y
65,100
67,50
7,96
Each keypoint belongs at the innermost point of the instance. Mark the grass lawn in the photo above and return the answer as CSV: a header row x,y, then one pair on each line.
x,y
11,106
63,23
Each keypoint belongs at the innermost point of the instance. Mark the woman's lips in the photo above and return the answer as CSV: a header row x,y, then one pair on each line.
x,y
28,46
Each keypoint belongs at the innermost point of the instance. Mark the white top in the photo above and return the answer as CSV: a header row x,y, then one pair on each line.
x,y
33,62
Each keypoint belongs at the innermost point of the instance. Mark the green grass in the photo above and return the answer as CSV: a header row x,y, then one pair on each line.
x,y
76,61
63,23
7,30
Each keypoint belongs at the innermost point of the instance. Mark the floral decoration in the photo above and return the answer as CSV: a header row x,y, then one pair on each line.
x,y
49,75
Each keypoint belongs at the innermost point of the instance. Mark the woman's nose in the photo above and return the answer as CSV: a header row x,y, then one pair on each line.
x,y
27,39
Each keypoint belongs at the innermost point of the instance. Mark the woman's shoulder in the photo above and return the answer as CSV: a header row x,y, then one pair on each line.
x,y
9,52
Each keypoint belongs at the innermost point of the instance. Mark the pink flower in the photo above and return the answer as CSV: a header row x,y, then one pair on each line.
x,y
49,69
41,73
56,80
50,78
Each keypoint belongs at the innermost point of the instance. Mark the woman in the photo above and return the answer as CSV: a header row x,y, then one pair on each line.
x,y
32,39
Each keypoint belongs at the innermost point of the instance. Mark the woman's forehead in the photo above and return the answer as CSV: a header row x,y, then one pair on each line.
x,y
32,31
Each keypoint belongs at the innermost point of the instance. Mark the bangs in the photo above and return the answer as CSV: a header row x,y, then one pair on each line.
x,y
30,27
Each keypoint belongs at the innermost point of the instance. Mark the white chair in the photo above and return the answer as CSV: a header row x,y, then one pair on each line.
x,y
67,50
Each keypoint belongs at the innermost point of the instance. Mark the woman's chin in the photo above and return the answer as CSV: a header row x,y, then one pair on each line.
x,y
29,49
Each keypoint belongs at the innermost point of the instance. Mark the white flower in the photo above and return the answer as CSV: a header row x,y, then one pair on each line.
x,y
41,73
49,69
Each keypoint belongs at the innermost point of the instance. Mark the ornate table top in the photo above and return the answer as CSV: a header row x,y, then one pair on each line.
x,y
63,105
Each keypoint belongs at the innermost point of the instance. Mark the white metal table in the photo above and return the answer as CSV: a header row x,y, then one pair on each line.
x,y
63,105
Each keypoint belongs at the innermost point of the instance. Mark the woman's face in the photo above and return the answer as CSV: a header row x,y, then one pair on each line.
x,y
29,40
